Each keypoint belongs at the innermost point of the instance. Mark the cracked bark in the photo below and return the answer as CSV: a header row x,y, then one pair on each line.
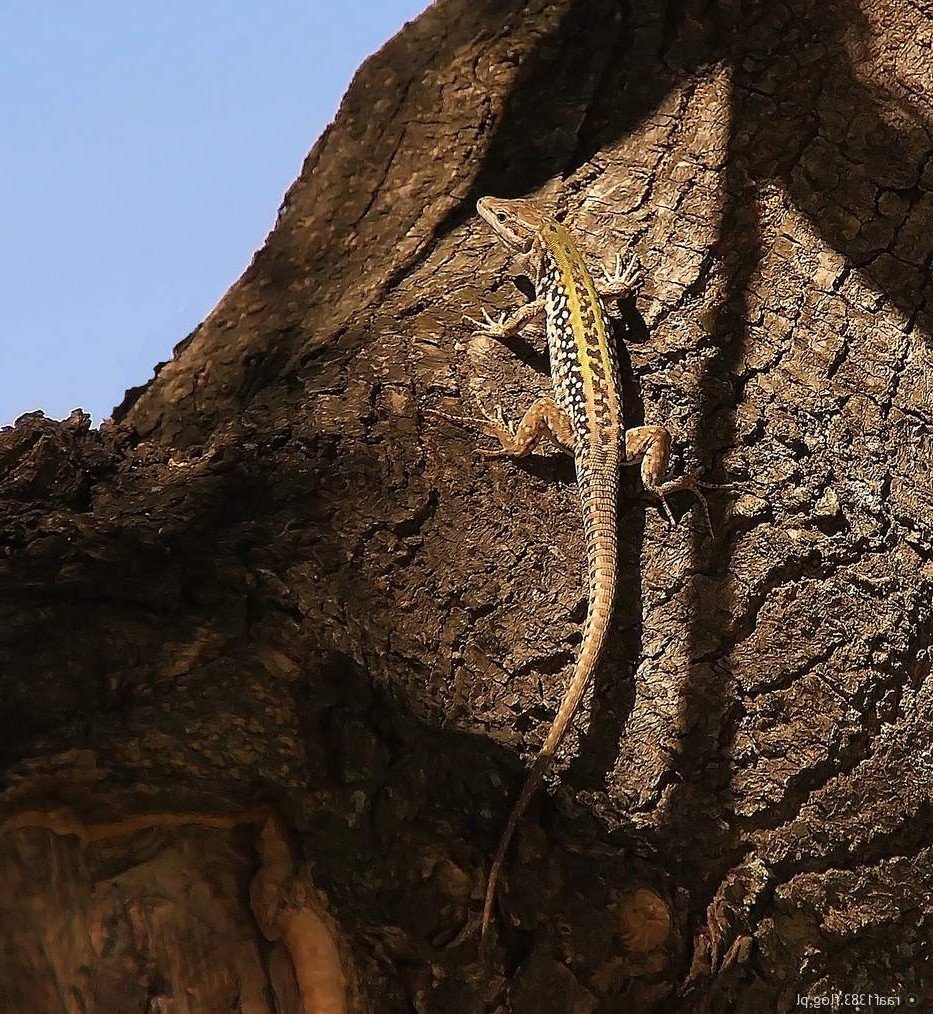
x,y
276,627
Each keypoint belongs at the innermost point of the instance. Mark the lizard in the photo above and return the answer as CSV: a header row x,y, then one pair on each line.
x,y
583,417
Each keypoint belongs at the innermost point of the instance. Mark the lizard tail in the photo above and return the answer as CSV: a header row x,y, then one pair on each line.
x,y
598,497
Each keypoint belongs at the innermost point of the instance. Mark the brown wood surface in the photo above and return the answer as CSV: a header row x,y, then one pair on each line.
x,y
274,586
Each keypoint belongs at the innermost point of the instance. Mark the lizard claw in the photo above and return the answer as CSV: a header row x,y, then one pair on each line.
x,y
492,423
490,326
714,485
623,280
693,485
460,420
667,511
496,416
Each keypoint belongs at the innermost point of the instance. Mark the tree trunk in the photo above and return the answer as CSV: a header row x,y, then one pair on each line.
x,y
277,649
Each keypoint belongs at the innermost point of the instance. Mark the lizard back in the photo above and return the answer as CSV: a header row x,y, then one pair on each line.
x,y
584,363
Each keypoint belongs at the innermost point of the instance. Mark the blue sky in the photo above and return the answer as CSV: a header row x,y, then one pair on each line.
x,y
145,150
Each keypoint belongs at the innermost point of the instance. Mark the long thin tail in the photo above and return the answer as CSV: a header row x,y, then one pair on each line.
x,y
598,498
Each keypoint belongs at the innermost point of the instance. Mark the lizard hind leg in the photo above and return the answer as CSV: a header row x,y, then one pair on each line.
x,y
544,419
651,445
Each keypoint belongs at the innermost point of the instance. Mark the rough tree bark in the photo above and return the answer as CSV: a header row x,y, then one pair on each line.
x,y
276,650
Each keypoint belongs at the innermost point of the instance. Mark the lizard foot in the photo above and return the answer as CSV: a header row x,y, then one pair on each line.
x,y
623,281
694,485
496,426
490,326
492,423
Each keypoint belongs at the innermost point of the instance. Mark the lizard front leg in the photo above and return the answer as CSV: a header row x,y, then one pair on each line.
x,y
650,446
544,419
508,325
623,282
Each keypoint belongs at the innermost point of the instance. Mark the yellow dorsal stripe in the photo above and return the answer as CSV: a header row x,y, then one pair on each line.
x,y
604,351
565,254
572,268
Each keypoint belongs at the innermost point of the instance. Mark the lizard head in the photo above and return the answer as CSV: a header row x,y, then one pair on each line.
x,y
516,223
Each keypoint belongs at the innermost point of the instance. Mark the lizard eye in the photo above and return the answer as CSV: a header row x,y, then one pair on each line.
x,y
501,216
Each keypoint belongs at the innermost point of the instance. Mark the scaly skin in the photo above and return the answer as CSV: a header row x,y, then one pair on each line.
x,y
585,418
